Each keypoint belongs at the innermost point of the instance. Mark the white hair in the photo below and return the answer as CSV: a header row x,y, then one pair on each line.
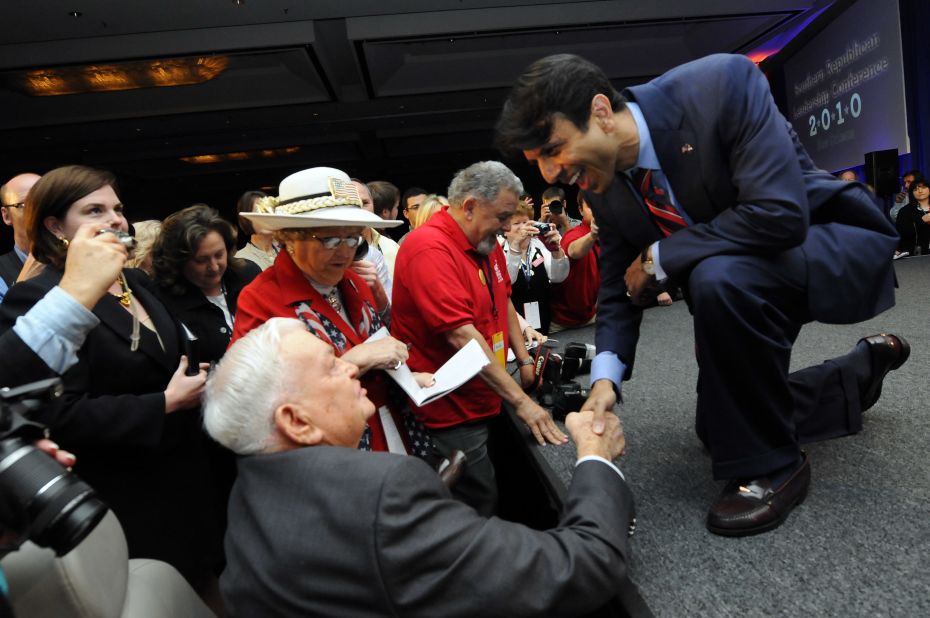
x,y
483,181
246,387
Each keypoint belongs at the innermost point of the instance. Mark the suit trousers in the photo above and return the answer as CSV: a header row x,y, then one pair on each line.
x,y
752,415
477,487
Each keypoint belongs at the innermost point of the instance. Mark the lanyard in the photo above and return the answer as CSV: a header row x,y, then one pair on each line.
x,y
486,267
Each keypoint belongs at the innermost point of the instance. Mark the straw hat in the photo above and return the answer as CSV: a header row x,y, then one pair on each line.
x,y
316,197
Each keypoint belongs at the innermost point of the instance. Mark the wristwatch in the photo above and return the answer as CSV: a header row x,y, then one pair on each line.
x,y
649,266
526,361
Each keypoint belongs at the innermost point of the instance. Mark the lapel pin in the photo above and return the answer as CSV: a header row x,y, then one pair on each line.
x,y
687,148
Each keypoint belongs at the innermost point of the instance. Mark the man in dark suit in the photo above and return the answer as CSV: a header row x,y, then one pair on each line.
x,y
13,199
697,180
317,527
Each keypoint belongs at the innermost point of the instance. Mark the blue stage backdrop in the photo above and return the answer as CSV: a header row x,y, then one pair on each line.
x,y
844,89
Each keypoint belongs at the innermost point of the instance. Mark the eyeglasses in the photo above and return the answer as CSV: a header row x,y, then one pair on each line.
x,y
334,241
16,205
413,208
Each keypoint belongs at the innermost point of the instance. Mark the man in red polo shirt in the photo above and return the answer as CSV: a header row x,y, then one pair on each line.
x,y
574,301
451,286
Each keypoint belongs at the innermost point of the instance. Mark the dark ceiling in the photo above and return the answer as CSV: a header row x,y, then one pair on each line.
x,y
403,91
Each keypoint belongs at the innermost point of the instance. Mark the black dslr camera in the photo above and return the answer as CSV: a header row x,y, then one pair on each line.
x,y
556,207
557,388
39,499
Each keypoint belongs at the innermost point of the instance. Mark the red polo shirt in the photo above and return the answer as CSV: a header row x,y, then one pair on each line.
x,y
574,301
440,284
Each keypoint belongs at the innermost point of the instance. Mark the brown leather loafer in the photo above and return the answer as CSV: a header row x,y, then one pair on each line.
x,y
751,507
888,352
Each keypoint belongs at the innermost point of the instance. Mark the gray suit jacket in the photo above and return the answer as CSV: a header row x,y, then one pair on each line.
x,y
328,531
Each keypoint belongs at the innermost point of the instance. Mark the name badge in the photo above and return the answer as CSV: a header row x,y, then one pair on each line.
x,y
531,313
497,346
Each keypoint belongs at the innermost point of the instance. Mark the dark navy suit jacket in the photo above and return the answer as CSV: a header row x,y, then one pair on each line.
x,y
737,168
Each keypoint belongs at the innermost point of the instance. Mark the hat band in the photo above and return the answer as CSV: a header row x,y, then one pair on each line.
x,y
300,198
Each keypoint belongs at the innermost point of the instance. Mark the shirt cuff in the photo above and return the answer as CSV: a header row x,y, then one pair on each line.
x,y
601,459
660,273
55,328
608,366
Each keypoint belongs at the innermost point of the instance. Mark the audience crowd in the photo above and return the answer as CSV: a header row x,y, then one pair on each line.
x,y
367,280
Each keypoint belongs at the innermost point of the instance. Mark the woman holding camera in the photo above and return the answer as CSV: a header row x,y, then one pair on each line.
x,y
128,410
199,279
534,261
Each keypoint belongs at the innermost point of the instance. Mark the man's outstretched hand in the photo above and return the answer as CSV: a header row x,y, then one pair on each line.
x,y
609,444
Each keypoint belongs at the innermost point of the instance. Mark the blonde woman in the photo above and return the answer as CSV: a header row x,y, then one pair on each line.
x,y
145,233
429,207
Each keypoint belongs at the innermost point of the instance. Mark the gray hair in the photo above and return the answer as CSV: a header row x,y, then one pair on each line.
x,y
483,181
246,387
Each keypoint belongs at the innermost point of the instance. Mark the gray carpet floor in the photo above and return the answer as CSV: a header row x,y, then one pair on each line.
x,y
859,545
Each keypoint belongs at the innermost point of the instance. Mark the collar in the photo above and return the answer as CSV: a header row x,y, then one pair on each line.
x,y
450,227
22,254
323,290
292,282
647,153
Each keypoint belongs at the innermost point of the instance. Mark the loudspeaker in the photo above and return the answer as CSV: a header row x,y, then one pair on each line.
x,y
882,171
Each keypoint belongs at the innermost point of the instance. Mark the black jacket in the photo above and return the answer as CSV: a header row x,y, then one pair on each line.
x,y
149,467
10,265
205,319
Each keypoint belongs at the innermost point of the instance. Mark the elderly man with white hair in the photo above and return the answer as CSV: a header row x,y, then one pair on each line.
x,y
317,527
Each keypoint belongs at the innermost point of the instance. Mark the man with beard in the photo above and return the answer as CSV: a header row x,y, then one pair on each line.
x,y
452,287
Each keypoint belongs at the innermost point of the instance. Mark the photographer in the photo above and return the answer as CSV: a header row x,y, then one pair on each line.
x,y
534,261
553,210
46,338
128,408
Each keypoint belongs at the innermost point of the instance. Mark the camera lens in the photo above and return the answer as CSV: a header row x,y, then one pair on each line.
x,y
556,207
39,497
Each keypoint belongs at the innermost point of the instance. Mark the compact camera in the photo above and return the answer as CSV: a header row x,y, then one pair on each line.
x,y
39,499
126,239
543,229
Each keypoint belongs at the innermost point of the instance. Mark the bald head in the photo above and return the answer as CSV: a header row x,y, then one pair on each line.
x,y
13,195
365,194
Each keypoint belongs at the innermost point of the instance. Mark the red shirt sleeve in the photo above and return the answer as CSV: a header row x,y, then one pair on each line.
x,y
442,298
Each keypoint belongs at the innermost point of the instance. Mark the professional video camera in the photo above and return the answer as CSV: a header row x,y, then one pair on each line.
x,y
555,373
39,499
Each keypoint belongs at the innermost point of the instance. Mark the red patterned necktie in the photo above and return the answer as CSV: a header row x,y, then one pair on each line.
x,y
663,212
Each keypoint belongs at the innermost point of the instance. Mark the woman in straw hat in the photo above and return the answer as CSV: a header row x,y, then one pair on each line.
x,y
318,219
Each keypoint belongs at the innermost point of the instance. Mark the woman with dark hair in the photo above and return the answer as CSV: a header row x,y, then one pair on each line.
x,y
913,220
128,409
199,281
260,246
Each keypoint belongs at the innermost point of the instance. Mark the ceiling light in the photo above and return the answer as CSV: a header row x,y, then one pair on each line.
x,y
267,153
116,76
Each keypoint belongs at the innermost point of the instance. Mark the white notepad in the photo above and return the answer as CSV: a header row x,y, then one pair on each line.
x,y
458,370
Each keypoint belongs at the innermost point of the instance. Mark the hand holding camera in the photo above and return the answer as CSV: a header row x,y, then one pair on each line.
x,y
93,263
550,236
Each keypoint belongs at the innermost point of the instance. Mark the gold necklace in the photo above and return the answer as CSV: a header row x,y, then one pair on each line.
x,y
125,299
